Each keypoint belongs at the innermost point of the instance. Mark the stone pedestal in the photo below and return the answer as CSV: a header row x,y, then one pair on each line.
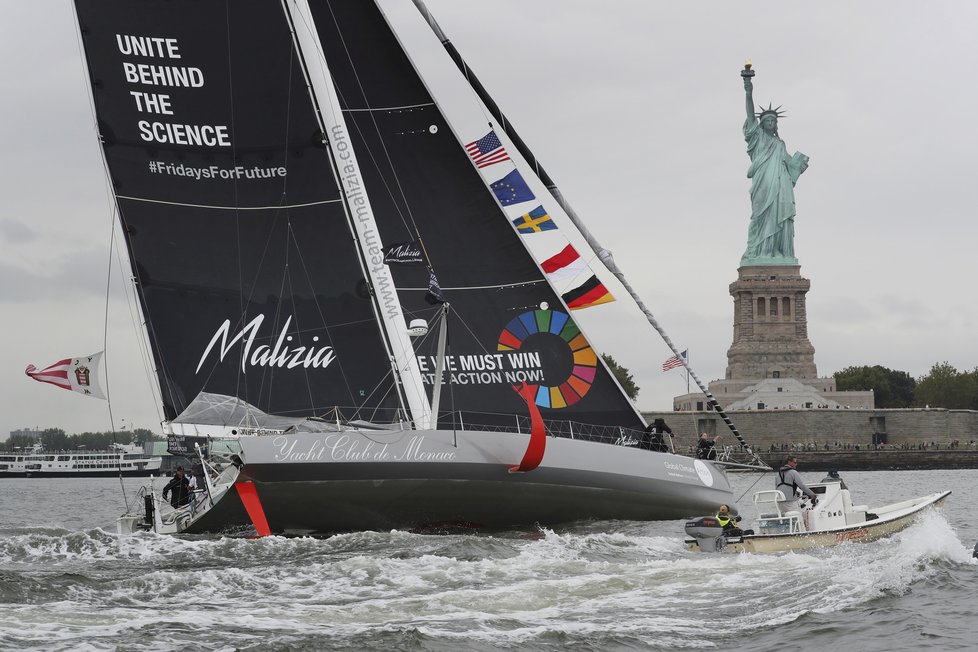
x,y
770,338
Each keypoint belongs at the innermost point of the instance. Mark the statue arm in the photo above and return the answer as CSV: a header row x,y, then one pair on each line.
x,y
749,89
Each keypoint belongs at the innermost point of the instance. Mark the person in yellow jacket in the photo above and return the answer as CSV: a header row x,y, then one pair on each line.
x,y
729,523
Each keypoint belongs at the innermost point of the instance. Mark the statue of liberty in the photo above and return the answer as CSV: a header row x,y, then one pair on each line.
x,y
770,238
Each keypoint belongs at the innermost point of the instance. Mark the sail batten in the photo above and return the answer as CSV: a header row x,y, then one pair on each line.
x,y
235,207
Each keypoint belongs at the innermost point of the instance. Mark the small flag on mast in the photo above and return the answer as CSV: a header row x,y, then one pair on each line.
x,y
487,151
535,221
674,361
434,295
512,189
74,374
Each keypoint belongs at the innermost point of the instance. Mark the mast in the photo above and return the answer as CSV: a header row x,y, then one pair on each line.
x,y
386,304
603,254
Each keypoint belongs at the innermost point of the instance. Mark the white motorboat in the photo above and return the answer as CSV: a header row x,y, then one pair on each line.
x,y
149,510
832,520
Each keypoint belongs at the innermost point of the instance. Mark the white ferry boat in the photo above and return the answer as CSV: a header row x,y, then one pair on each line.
x,y
128,460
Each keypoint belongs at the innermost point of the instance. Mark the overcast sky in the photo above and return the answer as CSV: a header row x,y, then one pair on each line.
x,y
635,109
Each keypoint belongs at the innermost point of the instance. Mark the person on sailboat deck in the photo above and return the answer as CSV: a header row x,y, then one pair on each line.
x,y
730,523
654,439
833,476
179,485
792,486
706,447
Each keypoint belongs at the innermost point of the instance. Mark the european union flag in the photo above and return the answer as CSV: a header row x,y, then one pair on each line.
x,y
511,189
535,221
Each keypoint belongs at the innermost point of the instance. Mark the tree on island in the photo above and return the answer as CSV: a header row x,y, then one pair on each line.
x,y
948,388
54,439
891,389
623,376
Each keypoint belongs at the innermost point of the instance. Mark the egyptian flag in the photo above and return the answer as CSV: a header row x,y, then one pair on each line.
x,y
74,374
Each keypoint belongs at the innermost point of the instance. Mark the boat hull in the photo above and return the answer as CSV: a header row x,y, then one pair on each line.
x,y
335,482
900,516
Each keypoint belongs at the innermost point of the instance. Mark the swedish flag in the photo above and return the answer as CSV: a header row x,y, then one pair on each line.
x,y
535,221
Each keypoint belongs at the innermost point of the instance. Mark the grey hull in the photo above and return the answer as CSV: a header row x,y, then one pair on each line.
x,y
334,482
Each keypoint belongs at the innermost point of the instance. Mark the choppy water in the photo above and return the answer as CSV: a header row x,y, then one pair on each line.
x,y
67,582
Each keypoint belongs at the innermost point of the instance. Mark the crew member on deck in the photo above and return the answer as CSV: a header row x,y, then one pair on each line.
x,y
706,447
180,487
654,439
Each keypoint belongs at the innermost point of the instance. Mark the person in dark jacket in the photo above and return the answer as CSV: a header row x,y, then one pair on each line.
x,y
654,438
706,447
179,489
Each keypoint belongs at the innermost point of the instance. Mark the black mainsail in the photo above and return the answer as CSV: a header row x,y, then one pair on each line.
x,y
236,228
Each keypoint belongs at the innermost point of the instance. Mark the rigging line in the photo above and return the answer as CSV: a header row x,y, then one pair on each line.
x,y
501,286
373,120
305,370
247,301
105,336
383,179
327,327
753,484
463,67
137,327
389,108
238,381
232,208
161,366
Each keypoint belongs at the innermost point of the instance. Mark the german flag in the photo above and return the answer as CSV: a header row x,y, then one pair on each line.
x,y
590,293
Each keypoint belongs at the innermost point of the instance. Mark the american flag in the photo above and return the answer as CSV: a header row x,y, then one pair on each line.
x,y
674,362
487,150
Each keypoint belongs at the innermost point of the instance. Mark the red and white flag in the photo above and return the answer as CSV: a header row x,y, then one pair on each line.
x,y
74,374
565,264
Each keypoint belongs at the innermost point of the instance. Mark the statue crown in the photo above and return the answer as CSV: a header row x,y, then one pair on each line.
x,y
777,113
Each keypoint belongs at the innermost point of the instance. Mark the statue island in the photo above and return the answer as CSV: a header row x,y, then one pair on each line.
x,y
771,363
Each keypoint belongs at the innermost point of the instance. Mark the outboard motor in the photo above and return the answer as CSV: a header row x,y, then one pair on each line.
x,y
150,509
708,533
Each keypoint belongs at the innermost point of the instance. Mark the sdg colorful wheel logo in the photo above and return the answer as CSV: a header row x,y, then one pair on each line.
x,y
566,355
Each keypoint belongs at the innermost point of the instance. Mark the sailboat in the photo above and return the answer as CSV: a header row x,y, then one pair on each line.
x,y
349,263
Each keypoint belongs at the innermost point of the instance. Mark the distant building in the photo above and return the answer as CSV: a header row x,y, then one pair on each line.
x,y
34,433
